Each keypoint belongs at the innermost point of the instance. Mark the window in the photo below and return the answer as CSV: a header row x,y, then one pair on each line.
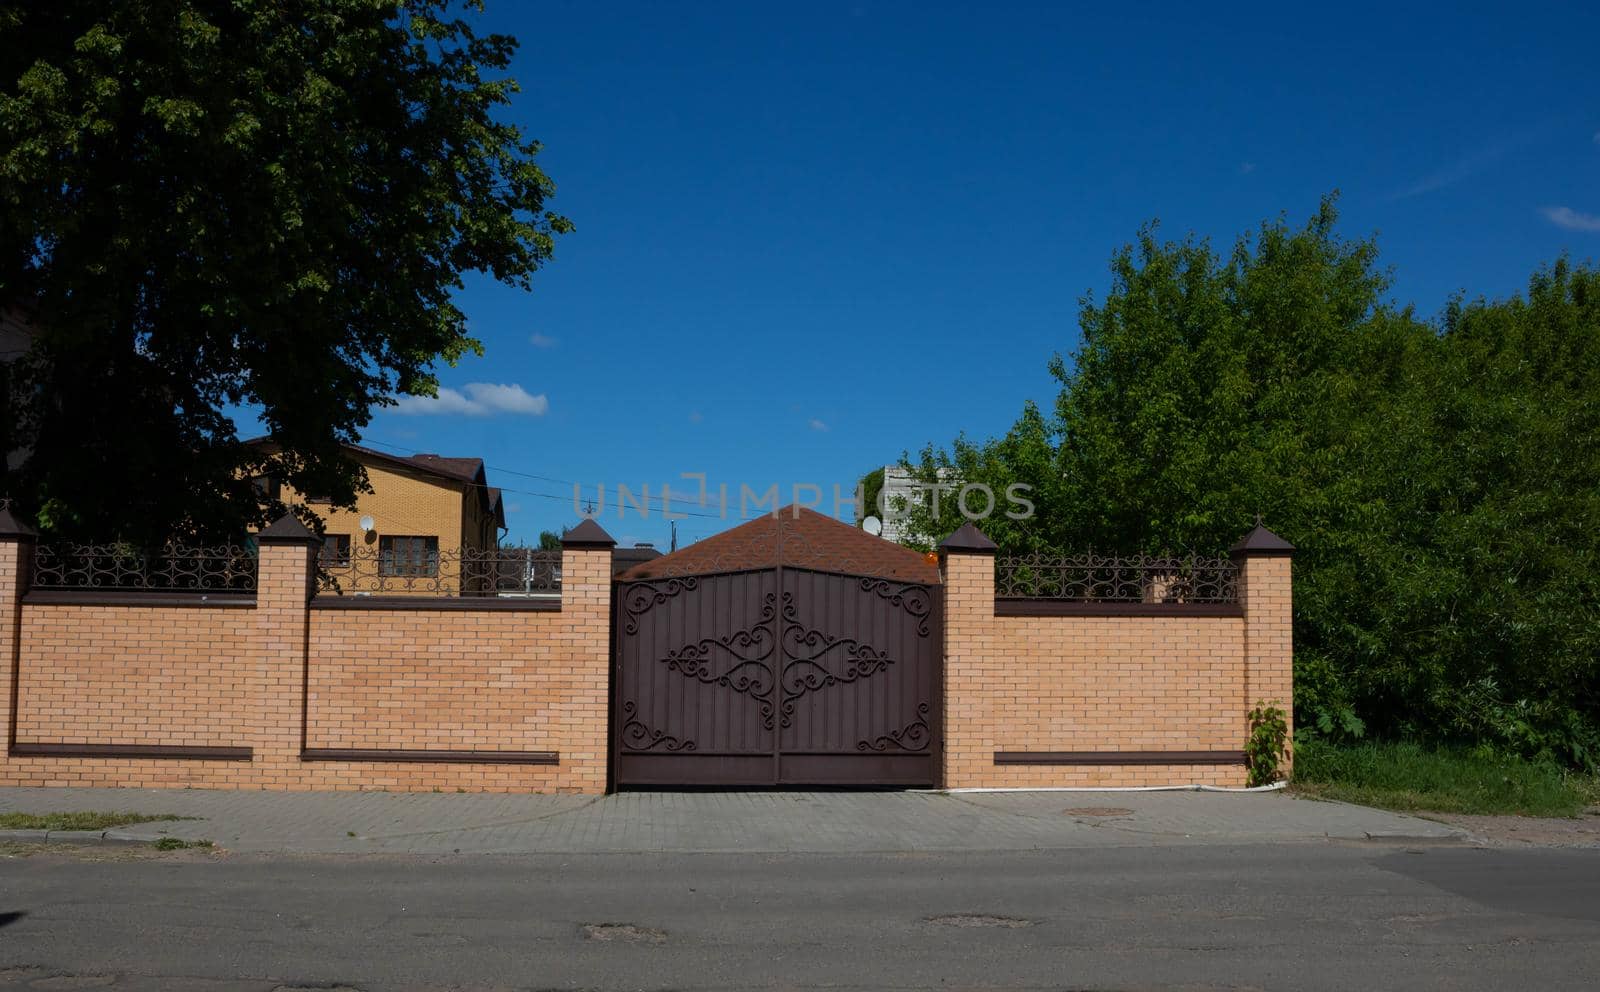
x,y
266,487
336,551
408,556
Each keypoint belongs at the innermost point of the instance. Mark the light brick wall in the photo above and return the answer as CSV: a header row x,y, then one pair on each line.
x,y
15,557
469,680
415,679
1266,587
1103,683
401,503
175,676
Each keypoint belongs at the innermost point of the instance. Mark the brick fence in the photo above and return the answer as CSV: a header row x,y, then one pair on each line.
x,y
1041,693
282,689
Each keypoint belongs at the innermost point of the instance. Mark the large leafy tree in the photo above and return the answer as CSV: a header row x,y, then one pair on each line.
x,y
208,204
1442,479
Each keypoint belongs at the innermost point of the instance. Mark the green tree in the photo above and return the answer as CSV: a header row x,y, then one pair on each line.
x,y
208,205
869,486
549,540
1441,479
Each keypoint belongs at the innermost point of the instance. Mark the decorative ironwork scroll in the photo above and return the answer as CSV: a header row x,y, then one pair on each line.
x,y
637,735
803,669
639,597
914,599
749,648
173,568
914,736
1093,578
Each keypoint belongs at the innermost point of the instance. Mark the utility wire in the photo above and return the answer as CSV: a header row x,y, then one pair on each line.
x,y
665,507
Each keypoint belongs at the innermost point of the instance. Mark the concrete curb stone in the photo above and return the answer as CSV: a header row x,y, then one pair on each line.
x,y
75,836
78,837
1402,837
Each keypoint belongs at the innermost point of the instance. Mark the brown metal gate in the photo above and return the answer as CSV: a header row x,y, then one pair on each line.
x,y
776,676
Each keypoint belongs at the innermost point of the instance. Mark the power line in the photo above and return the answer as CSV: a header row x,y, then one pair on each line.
x,y
666,506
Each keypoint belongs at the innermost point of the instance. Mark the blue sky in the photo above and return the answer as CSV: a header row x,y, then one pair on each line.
x,y
810,237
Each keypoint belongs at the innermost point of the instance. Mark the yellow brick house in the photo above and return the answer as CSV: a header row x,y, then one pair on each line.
x,y
428,521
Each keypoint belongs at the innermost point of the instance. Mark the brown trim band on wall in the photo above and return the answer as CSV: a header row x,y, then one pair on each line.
x,y
442,757
1119,757
170,751
92,597
485,603
1065,608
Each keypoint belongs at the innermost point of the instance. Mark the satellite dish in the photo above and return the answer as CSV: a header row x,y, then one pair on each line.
x,y
873,526
366,524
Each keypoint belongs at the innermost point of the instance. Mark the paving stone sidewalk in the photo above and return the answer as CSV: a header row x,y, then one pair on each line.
x,y
750,822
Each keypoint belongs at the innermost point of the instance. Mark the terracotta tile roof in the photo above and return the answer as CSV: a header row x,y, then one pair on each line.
x,y
797,538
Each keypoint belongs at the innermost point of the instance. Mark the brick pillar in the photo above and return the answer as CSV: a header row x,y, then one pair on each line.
x,y
966,562
284,587
16,559
1265,591
586,614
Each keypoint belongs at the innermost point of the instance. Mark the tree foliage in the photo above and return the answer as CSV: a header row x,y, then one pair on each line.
x,y
208,204
870,487
1441,478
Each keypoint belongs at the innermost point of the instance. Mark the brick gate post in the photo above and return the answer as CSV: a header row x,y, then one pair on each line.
x,y
285,583
16,559
966,562
586,614
1267,595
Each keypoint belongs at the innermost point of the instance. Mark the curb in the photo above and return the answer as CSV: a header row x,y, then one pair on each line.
x,y
78,837
1400,837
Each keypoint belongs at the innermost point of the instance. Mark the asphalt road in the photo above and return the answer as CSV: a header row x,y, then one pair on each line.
x,y
1314,916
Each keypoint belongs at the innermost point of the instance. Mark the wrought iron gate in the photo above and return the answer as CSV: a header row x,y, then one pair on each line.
x,y
776,676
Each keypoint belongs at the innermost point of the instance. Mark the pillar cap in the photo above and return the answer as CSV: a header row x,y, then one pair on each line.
x,y
287,529
968,540
1261,543
588,536
12,529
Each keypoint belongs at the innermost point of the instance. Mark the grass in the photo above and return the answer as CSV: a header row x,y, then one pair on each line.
x,y
178,844
1405,776
79,821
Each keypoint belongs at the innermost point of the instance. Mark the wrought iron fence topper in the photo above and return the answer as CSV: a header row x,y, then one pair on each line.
x,y
1096,578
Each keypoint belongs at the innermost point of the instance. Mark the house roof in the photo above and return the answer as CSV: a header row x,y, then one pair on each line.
x,y
623,559
497,506
465,470
794,537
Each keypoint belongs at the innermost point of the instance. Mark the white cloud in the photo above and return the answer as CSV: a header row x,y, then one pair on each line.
x,y
542,340
818,425
476,399
1571,219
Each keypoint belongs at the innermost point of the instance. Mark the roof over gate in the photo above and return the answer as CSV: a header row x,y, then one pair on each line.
x,y
794,537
